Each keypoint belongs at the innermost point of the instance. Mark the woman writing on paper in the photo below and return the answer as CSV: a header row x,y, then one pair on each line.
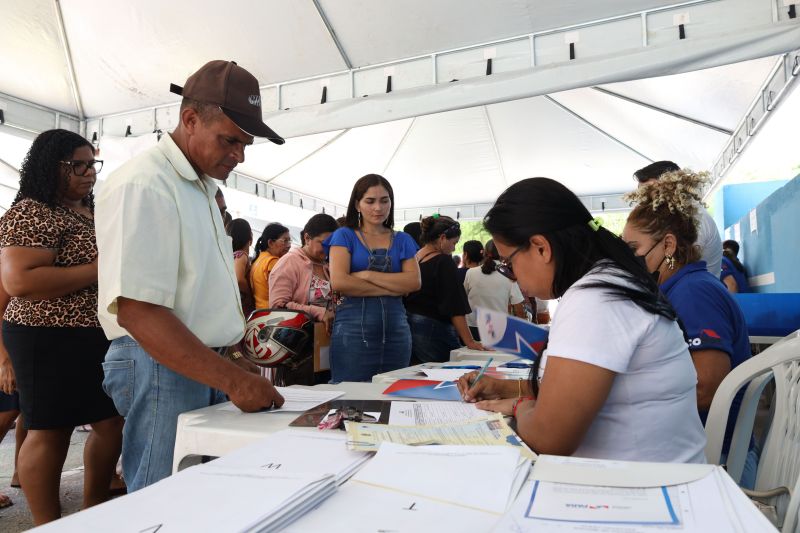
x,y
616,380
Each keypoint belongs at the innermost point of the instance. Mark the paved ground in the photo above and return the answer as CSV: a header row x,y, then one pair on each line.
x,y
18,517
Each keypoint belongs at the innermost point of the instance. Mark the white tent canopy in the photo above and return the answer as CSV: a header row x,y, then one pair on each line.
x,y
440,142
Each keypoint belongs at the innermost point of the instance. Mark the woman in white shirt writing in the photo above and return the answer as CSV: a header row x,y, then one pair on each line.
x,y
616,380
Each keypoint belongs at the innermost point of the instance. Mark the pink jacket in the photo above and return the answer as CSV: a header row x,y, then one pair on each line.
x,y
290,281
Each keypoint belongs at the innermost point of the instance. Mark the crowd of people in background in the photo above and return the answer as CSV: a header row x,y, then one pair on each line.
x,y
132,305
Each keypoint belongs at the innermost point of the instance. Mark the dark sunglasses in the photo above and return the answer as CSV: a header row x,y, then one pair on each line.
x,y
505,267
80,168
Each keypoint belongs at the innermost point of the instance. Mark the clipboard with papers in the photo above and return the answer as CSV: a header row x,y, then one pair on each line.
x,y
567,494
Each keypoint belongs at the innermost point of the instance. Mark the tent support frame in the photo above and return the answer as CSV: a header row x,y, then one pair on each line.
x,y
718,129
73,80
598,129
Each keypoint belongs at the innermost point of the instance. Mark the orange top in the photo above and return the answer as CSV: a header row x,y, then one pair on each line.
x,y
259,278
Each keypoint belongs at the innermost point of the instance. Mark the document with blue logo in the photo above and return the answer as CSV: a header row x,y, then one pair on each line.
x,y
585,503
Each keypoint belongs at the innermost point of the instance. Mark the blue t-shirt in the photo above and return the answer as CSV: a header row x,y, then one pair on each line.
x,y
713,321
403,247
729,269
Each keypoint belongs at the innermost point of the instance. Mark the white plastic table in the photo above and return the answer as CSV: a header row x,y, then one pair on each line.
x,y
214,431
466,354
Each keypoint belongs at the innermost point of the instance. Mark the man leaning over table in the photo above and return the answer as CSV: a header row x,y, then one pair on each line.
x,y
168,296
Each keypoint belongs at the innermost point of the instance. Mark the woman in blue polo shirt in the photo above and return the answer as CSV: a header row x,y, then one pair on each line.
x,y
372,268
662,230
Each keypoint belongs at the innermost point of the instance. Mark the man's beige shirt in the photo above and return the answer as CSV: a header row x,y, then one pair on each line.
x,y
161,240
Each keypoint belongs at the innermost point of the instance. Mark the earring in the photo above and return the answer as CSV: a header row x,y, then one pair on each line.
x,y
670,262
359,218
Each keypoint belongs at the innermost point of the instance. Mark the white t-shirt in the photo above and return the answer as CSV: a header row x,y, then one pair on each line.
x,y
493,291
651,411
709,242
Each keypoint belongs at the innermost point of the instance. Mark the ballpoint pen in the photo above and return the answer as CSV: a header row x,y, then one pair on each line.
x,y
483,370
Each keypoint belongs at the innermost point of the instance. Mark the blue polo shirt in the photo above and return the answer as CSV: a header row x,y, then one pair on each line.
x,y
713,321
729,269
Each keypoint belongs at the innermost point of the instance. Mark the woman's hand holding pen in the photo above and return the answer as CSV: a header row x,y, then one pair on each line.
x,y
485,388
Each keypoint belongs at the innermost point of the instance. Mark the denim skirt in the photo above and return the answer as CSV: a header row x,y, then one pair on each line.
x,y
370,336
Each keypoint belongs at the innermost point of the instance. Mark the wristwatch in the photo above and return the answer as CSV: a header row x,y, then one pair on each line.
x,y
235,355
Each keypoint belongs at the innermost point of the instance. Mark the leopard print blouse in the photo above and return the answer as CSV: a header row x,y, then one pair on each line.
x,y
33,224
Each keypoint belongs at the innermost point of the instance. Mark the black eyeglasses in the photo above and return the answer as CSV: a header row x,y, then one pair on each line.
x,y
80,168
505,264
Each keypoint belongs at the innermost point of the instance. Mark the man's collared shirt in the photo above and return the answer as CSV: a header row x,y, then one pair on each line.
x,y
161,240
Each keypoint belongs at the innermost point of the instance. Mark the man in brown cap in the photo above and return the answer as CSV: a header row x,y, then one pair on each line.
x,y
168,295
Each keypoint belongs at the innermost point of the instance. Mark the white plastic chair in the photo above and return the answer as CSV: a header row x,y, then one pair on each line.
x,y
778,476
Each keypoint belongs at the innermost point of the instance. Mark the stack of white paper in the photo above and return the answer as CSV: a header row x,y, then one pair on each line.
x,y
263,486
300,451
424,488
580,495
207,498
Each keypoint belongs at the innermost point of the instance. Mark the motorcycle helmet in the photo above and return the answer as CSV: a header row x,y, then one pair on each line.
x,y
275,336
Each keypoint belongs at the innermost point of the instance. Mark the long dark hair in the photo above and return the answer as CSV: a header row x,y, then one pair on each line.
x,y
270,233
39,177
240,233
541,206
317,225
490,254
359,190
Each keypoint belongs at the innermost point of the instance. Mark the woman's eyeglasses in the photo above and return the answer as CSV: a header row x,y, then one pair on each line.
x,y
80,168
505,264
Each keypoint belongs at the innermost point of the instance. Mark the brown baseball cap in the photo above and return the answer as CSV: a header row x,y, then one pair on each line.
x,y
234,90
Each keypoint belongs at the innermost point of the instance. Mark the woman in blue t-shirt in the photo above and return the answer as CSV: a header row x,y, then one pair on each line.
x,y
662,229
372,268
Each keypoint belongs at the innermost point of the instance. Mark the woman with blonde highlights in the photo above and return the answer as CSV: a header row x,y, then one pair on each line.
x,y
662,230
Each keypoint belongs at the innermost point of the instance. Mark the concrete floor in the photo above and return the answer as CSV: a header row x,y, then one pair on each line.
x,y
18,517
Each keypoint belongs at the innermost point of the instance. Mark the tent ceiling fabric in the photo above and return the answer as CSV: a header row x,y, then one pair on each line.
x,y
372,32
471,155
443,143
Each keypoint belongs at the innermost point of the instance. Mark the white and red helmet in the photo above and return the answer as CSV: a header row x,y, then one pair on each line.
x,y
273,336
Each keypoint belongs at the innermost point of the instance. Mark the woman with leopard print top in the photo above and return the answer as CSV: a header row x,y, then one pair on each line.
x,y
50,328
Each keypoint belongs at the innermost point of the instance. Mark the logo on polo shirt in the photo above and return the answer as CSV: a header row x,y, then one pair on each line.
x,y
254,99
706,337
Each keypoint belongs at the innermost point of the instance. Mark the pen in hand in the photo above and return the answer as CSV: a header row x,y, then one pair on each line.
x,y
480,374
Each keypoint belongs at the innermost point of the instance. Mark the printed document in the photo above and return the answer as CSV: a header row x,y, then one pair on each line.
x,y
586,503
491,431
433,413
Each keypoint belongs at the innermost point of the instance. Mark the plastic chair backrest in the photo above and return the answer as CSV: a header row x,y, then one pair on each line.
x,y
780,459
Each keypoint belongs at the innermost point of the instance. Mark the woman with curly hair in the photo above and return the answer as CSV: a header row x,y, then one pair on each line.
x,y
50,328
662,229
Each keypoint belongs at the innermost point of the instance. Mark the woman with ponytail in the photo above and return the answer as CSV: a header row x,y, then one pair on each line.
x,y
616,380
271,246
436,311
488,288
662,229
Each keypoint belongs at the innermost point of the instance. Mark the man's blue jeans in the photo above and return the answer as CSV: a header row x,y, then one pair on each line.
x,y
150,397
